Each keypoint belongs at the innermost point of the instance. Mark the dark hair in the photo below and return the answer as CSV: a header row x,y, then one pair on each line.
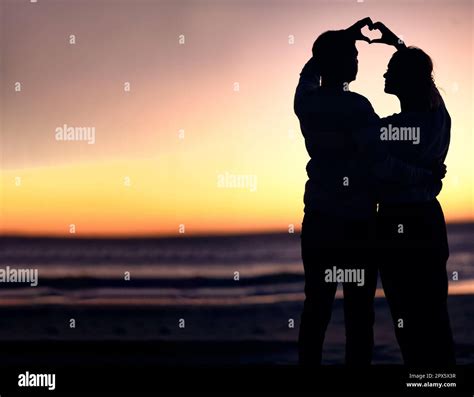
x,y
331,51
414,70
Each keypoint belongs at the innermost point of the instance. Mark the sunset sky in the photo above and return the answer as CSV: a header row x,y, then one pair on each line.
x,y
140,177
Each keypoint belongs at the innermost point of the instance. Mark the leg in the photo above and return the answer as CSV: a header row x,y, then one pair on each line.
x,y
359,313
319,295
414,278
431,320
359,318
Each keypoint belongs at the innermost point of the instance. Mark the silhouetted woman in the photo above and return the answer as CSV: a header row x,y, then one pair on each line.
x,y
411,227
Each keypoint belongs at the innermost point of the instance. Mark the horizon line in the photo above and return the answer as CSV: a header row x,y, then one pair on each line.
x,y
196,235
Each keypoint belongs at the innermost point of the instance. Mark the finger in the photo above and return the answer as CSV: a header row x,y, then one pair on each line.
x,y
363,22
362,37
380,26
370,24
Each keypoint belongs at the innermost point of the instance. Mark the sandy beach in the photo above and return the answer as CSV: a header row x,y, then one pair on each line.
x,y
247,334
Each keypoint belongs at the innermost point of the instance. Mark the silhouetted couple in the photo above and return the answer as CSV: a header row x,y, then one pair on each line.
x,y
358,162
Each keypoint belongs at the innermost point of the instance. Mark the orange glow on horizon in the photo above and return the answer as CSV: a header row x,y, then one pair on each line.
x,y
96,199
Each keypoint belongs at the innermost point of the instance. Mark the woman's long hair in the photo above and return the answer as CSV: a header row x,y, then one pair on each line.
x,y
414,70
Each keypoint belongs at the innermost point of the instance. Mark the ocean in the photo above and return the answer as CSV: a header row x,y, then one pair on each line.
x,y
213,270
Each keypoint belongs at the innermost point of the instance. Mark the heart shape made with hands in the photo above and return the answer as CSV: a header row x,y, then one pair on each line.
x,y
371,33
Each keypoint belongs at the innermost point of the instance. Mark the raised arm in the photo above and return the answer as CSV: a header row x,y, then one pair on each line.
x,y
308,83
310,78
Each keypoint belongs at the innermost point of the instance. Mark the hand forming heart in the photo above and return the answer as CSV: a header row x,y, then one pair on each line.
x,y
355,31
371,34
387,36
